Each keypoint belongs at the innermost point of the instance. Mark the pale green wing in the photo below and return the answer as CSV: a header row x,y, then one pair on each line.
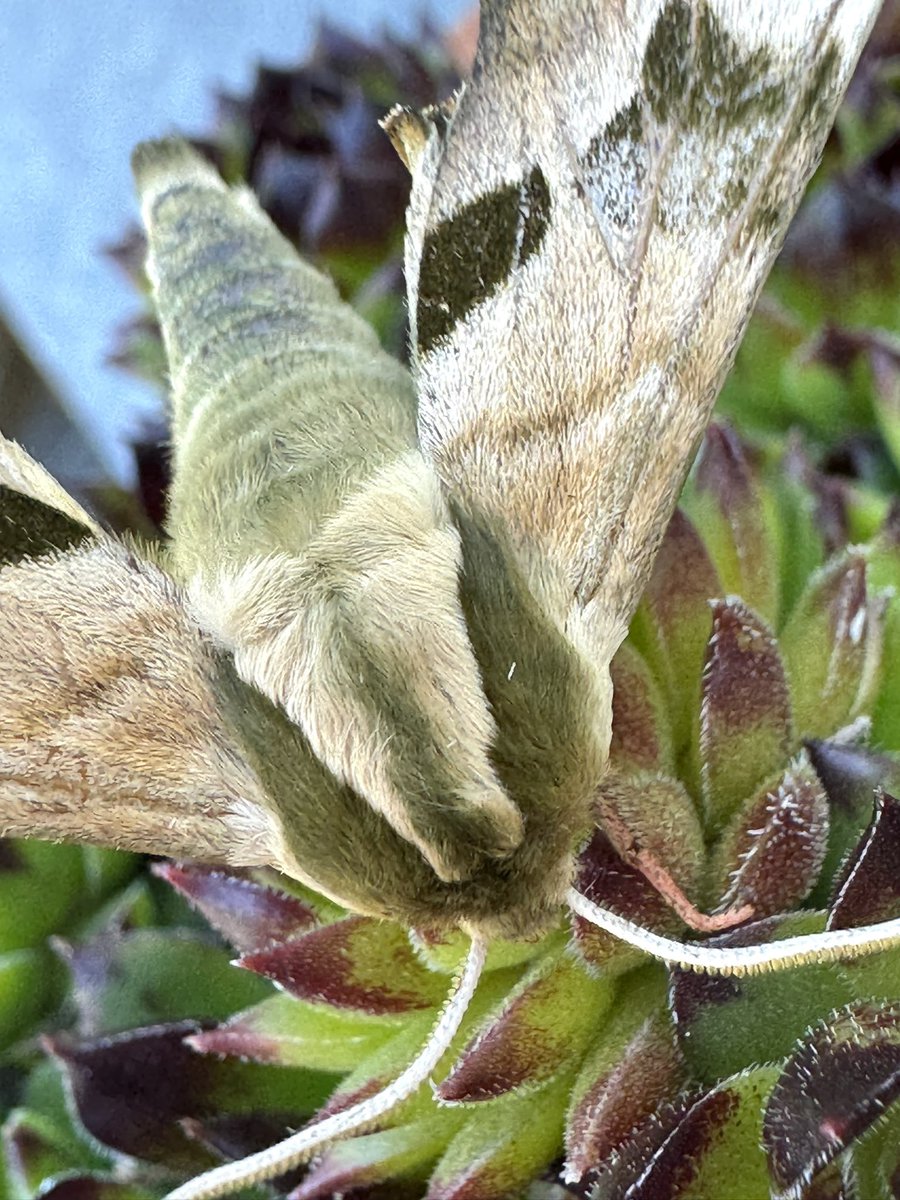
x,y
588,232
109,729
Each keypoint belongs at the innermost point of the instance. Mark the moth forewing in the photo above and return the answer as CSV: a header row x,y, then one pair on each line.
x,y
585,247
109,731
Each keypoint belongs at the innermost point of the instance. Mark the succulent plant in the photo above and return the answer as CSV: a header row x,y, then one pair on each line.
x,y
756,754
748,695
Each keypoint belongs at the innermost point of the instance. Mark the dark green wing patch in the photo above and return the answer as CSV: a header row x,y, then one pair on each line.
x,y
29,528
470,255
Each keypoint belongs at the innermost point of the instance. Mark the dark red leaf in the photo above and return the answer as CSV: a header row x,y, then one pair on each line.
x,y
869,890
356,963
774,851
745,715
832,1089
611,883
649,1071
247,913
132,1090
663,1156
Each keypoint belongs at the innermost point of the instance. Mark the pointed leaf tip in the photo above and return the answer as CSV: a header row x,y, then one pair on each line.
x,y
358,963
246,913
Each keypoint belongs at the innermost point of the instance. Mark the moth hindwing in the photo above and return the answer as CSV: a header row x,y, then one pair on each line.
x,y
375,651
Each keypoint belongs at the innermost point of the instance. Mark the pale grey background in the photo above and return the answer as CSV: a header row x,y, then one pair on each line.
x,y
80,82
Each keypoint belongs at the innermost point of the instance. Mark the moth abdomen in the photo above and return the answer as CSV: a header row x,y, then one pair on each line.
x,y
313,538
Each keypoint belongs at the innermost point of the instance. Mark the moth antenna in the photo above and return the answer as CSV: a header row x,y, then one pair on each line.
x,y
743,960
300,1146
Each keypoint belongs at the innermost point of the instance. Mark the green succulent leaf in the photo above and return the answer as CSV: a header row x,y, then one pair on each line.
x,y
248,914
502,1147
772,852
671,626
633,1066
725,1024
690,1151
390,1155
357,963
724,501
745,710
542,1028
832,647
285,1031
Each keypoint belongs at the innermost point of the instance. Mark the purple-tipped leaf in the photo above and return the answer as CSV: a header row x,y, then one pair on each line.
x,y
542,1027
358,964
772,853
832,1089
725,503
745,711
246,913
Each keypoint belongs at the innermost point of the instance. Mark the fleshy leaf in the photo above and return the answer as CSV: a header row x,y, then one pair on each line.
x,y
36,897
606,880
652,822
770,1011
543,1026
870,889
875,1159
288,1032
634,1066
725,503
31,983
829,1184
246,913
358,964
671,626
773,851
378,1158
138,1092
745,712
144,976
502,1147
832,1089
832,647
443,950
130,1092
850,775
385,1063
704,1147
36,1147
641,740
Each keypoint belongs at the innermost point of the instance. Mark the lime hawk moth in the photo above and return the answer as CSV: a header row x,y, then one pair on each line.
x,y
374,651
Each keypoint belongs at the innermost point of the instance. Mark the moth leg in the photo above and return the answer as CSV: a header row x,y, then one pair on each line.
x,y
661,879
629,848
831,946
301,1146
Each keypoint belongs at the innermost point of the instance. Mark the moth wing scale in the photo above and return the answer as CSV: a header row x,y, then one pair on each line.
x,y
618,230
109,731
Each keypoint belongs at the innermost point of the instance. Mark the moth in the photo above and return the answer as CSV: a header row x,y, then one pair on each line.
x,y
374,652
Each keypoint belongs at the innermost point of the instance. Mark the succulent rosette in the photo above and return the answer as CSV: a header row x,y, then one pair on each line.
x,y
754,761
748,696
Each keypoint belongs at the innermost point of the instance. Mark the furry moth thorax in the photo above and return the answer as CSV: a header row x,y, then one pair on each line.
x,y
375,651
